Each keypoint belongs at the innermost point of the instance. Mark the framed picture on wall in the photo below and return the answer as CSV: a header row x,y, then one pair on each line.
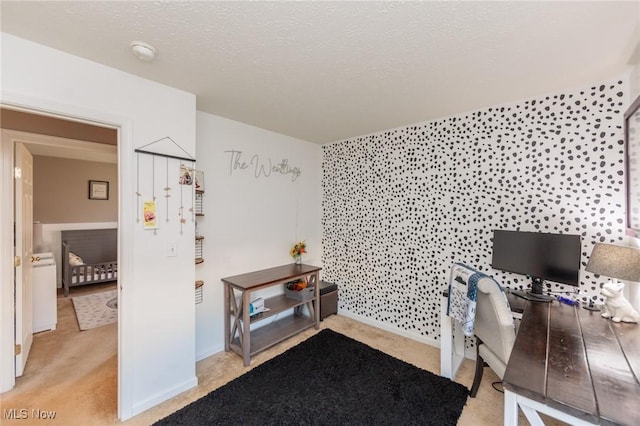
x,y
98,190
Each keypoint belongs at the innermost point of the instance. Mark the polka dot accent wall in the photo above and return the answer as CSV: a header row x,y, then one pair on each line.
x,y
400,206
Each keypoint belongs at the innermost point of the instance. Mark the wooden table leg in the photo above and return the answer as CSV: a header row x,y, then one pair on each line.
x,y
227,313
317,291
246,339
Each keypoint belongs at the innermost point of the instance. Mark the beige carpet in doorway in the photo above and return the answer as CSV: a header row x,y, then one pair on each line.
x,y
96,310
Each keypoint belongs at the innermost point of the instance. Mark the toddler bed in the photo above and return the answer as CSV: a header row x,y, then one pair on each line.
x,y
89,257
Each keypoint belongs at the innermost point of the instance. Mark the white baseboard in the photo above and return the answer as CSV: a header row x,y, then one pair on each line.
x,y
390,328
468,353
161,397
206,353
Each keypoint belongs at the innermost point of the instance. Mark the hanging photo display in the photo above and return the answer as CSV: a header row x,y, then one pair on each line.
x,y
149,214
186,180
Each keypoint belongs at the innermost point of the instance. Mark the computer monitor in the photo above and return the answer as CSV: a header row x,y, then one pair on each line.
x,y
540,256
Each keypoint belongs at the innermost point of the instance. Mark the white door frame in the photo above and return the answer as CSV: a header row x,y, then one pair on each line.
x,y
126,213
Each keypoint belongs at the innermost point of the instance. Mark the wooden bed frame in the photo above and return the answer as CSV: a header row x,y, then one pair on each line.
x,y
98,249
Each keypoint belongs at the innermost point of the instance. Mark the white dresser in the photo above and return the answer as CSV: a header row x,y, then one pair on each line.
x,y
45,304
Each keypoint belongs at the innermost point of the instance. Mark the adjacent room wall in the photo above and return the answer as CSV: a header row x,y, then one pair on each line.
x,y
262,195
400,206
61,201
60,191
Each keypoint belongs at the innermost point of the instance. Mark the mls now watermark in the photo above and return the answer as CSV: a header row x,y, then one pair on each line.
x,y
24,414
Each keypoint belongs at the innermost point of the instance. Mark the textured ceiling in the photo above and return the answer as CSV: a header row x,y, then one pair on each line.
x,y
326,71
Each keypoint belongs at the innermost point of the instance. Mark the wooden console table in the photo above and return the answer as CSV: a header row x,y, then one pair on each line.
x,y
239,337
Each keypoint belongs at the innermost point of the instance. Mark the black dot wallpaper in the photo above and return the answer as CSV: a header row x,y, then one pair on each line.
x,y
400,206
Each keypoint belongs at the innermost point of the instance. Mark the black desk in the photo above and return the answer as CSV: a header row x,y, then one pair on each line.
x,y
573,365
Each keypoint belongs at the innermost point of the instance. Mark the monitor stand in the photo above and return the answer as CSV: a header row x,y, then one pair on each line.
x,y
535,295
532,296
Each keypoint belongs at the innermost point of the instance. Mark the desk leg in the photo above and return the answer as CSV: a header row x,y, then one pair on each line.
x,y
451,343
446,341
510,409
531,408
227,312
316,312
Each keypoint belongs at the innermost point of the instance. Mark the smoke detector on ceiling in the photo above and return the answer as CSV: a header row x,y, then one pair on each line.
x,y
143,51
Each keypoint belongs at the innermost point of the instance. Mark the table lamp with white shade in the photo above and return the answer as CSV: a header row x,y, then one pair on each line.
x,y
616,262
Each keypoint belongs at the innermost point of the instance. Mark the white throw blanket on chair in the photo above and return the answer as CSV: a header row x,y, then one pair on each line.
x,y
463,289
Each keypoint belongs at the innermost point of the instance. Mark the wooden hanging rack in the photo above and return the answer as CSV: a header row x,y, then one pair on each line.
x,y
143,151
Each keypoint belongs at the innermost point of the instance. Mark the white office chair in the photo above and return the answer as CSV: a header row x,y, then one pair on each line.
x,y
494,331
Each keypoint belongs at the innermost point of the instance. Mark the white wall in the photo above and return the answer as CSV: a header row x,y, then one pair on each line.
x,y
157,315
251,223
634,63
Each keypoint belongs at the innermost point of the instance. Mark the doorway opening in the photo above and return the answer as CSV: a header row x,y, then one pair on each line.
x,y
66,364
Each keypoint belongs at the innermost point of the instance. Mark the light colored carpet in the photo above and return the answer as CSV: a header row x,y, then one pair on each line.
x,y
96,310
75,373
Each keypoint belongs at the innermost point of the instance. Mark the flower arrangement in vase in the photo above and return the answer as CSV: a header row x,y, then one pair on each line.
x,y
297,250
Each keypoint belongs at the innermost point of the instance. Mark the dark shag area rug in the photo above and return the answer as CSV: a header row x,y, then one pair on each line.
x,y
329,379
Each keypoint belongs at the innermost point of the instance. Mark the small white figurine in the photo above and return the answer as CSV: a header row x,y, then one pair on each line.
x,y
616,306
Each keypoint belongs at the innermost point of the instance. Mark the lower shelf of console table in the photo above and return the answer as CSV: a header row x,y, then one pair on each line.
x,y
238,334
